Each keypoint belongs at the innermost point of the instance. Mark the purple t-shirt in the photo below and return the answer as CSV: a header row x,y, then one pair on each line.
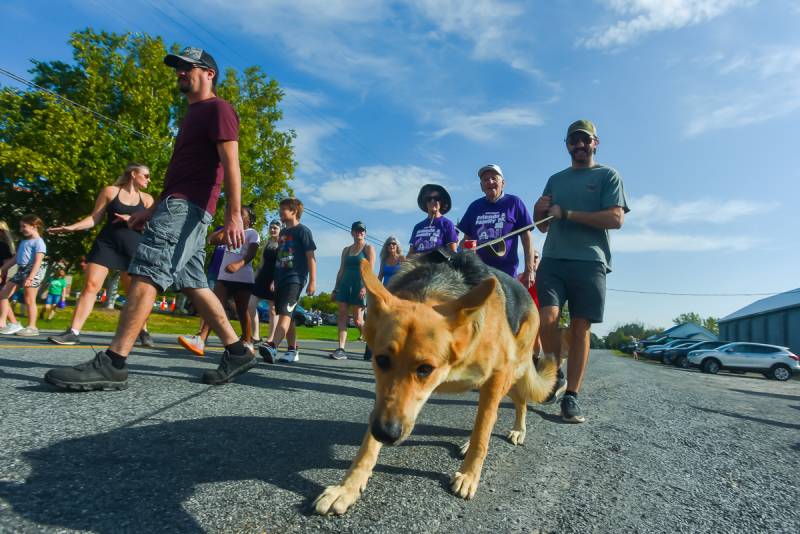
x,y
484,221
195,171
430,235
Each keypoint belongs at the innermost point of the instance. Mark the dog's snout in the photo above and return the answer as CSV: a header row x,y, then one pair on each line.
x,y
386,432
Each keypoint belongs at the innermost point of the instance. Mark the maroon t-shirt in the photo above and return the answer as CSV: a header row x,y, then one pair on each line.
x,y
195,171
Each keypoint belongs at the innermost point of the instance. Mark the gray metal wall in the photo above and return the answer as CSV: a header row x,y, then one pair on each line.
x,y
781,327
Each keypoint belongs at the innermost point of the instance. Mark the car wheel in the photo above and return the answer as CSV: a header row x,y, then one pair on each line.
x,y
780,372
666,360
682,362
711,366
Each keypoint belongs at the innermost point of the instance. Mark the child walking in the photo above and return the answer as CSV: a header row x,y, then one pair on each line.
x,y
30,271
56,292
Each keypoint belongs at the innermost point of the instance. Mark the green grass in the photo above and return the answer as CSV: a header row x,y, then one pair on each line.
x,y
102,320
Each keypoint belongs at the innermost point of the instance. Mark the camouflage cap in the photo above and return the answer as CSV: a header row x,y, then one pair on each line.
x,y
582,125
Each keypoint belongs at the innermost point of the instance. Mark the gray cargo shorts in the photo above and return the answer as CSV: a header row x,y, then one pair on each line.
x,y
581,283
172,251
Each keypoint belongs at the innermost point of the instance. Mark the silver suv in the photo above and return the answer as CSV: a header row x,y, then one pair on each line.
x,y
771,360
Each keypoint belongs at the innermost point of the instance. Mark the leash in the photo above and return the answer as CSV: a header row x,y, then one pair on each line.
x,y
515,232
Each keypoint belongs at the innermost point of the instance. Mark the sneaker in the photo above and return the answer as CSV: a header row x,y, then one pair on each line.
x,y
145,339
249,346
570,411
290,356
67,338
193,344
94,374
558,389
11,328
229,368
28,331
268,352
339,354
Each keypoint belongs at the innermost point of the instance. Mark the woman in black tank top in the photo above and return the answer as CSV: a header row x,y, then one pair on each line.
x,y
114,246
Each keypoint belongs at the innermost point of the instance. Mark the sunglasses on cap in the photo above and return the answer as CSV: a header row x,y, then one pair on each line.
x,y
576,137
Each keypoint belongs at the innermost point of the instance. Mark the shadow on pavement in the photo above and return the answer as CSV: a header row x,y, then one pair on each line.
x,y
791,426
765,394
138,478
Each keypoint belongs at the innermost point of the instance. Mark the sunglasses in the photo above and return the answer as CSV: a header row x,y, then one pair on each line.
x,y
577,137
434,198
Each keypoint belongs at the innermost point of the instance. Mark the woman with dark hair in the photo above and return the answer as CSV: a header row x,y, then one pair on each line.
x,y
114,246
435,230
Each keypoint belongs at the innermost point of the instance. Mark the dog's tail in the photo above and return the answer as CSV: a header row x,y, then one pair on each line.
x,y
539,382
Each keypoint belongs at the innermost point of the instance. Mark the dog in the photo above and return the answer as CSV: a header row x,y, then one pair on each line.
x,y
445,326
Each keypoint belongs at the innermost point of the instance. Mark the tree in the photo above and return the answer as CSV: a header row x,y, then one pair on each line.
x,y
710,323
55,158
322,301
623,334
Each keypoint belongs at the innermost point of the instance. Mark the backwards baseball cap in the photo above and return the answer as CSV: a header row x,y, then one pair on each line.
x,y
194,56
358,225
582,125
490,167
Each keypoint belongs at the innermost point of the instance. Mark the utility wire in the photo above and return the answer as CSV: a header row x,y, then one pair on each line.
x,y
672,294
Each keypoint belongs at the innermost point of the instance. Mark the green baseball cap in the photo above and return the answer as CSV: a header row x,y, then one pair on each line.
x,y
582,125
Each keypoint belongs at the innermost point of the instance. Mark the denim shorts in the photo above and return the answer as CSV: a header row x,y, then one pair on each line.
x,y
173,247
579,282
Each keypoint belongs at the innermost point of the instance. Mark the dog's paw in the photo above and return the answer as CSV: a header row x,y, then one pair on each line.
x,y
335,500
517,437
464,448
465,485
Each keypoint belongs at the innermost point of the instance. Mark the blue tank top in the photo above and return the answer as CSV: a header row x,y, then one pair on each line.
x,y
389,271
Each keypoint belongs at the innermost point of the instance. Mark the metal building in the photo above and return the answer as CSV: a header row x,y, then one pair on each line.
x,y
774,320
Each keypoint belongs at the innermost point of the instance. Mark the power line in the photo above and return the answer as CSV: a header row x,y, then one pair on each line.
x,y
96,114
675,294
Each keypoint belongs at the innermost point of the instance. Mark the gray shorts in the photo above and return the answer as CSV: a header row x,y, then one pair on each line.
x,y
23,271
173,248
581,283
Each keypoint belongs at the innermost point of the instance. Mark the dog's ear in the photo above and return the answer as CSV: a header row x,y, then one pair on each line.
x,y
461,310
378,297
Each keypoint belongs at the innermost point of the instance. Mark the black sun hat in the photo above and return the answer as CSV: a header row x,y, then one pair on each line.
x,y
444,197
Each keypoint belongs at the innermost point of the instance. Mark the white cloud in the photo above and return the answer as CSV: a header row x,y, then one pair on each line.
x,y
641,17
654,241
652,209
379,187
776,92
484,126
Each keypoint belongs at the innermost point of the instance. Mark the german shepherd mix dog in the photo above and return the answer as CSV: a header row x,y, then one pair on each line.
x,y
445,325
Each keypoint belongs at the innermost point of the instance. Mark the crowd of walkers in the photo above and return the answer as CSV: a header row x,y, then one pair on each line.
x,y
160,243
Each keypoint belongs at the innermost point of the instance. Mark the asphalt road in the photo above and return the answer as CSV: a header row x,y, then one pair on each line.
x,y
663,450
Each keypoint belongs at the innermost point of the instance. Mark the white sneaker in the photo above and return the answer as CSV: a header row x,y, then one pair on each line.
x,y
249,346
28,331
193,344
11,328
290,356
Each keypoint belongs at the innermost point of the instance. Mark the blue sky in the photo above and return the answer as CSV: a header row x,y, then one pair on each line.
x,y
695,103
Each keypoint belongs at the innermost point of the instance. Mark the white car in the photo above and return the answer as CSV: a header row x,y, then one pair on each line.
x,y
771,360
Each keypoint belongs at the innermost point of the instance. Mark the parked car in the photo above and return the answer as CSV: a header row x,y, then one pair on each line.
x,y
771,360
677,356
301,316
654,352
330,319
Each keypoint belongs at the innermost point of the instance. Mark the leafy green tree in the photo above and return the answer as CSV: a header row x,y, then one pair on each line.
x,y
624,333
322,301
712,324
54,158
691,317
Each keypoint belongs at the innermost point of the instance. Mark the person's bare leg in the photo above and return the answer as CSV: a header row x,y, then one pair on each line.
x,y
342,324
284,323
358,315
30,302
95,276
291,334
273,321
252,309
242,301
125,282
551,338
578,353
210,308
141,297
5,306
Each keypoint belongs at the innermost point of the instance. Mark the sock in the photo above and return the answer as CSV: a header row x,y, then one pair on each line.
x,y
291,347
572,393
76,332
237,348
117,360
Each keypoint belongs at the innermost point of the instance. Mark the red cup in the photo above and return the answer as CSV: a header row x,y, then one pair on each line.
x,y
469,245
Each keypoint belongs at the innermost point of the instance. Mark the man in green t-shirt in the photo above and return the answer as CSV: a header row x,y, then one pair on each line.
x,y
587,200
